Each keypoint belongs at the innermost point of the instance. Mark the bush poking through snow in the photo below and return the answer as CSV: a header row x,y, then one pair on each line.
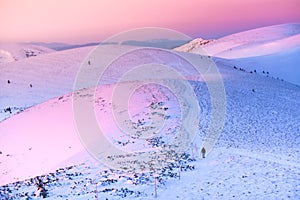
x,y
8,110
41,190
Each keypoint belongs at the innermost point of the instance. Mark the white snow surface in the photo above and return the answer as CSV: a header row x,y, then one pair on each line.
x,y
255,42
193,45
273,49
14,52
284,65
256,157
37,79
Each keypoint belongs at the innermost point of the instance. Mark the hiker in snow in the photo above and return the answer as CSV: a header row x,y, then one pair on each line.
x,y
203,151
89,62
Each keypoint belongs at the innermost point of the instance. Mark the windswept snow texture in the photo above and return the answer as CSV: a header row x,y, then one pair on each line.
x,y
14,52
256,157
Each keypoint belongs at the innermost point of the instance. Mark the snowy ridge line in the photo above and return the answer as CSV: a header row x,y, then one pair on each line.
x,y
8,112
273,51
256,42
256,156
15,52
35,80
261,49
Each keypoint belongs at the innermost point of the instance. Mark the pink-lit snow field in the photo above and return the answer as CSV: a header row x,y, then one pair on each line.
x,y
256,156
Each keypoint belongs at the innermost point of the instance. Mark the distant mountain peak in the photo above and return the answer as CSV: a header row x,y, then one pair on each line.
x,y
14,52
194,44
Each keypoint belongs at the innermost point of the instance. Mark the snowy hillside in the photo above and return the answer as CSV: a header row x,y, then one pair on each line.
x,y
272,49
34,80
193,45
14,52
283,65
256,48
257,156
255,42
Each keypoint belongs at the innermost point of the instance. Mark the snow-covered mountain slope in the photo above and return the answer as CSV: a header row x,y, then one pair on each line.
x,y
193,45
64,78
272,49
6,56
34,80
283,65
257,48
46,136
39,145
256,157
255,42
37,79
14,52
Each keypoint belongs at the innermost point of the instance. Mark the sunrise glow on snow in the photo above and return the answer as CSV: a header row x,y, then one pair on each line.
x,y
162,99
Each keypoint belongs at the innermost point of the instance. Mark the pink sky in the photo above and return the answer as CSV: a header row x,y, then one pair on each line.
x,y
78,21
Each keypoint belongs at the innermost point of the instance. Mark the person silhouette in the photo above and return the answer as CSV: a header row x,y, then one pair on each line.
x,y
203,151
